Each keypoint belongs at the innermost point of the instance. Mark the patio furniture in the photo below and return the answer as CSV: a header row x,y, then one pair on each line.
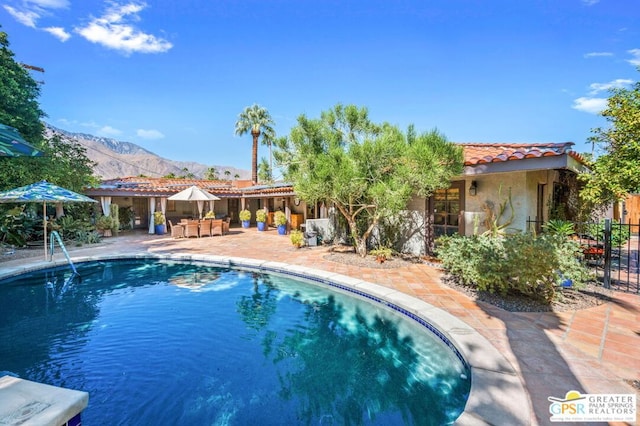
x,y
177,230
225,225
216,227
205,227
192,229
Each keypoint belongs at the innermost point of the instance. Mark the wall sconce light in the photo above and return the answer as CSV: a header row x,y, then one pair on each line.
x,y
473,188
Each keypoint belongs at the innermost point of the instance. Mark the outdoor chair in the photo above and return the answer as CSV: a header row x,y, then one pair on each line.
x,y
205,227
191,229
216,227
225,225
177,230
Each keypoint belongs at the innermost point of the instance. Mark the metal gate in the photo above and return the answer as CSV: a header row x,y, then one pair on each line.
x,y
611,250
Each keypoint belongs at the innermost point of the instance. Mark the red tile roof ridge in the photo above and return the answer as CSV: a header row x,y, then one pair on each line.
x,y
516,144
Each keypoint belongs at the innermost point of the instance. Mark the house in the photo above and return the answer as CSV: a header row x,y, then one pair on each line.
x,y
144,195
540,180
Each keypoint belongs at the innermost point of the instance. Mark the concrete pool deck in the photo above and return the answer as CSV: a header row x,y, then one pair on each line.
x,y
520,359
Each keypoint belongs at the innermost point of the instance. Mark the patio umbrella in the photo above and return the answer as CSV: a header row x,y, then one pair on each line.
x,y
14,145
43,192
194,193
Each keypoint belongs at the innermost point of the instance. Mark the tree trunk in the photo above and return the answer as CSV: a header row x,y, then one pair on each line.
x,y
361,247
254,156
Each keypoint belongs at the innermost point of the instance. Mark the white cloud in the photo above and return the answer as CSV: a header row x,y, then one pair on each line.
x,y
597,54
113,30
150,134
49,4
59,33
615,84
109,131
25,17
590,105
590,2
30,11
636,57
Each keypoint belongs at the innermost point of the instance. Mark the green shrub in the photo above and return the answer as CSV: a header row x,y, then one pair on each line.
x,y
13,229
115,214
297,238
523,263
381,253
158,218
73,229
105,223
280,218
620,234
244,215
126,215
559,227
261,216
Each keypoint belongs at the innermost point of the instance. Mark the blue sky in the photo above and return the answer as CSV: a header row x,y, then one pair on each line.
x,y
172,76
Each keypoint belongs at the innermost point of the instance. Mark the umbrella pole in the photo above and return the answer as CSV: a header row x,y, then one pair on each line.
x,y
44,220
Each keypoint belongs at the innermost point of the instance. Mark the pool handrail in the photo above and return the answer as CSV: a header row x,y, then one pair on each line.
x,y
55,236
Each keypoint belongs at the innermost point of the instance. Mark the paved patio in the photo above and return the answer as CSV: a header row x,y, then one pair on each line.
x,y
591,351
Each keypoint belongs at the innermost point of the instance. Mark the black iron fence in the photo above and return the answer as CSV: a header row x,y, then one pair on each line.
x,y
610,248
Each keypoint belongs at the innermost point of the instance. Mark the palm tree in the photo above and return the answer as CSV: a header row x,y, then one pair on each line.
x,y
211,174
255,120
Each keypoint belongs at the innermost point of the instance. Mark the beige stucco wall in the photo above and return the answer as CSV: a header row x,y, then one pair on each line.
x,y
495,188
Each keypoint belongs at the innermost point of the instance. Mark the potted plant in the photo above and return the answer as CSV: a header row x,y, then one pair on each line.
x,y
297,238
245,217
105,224
261,218
280,219
159,223
210,215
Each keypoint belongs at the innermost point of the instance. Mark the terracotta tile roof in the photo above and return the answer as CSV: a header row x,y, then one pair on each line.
x,y
482,153
166,186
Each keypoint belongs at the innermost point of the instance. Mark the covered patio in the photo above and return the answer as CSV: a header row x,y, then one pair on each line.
x,y
145,196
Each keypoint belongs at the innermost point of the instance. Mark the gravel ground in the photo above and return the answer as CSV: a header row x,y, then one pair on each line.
x,y
567,300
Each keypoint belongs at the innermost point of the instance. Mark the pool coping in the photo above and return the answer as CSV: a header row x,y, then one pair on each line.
x,y
497,394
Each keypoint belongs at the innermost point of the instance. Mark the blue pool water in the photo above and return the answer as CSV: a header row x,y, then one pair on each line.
x,y
158,342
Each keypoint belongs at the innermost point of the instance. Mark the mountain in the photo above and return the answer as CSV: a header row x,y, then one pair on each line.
x,y
119,159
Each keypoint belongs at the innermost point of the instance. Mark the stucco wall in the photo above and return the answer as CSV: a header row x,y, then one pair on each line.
x,y
411,227
523,187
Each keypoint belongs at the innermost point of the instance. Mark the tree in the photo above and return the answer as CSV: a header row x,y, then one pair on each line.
x,y
211,174
255,120
63,163
19,108
616,173
367,171
227,174
68,165
186,174
264,171
19,93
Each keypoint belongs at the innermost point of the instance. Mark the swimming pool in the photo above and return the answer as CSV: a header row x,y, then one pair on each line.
x,y
171,342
